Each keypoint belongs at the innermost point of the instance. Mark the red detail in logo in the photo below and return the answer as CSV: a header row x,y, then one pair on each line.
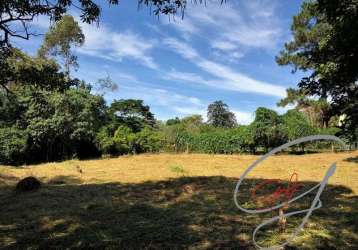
x,y
281,193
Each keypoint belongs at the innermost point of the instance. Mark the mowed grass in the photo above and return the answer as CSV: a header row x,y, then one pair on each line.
x,y
169,201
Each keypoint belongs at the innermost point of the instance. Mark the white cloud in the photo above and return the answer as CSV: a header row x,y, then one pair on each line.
x,y
181,48
184,26
236,26
250,23
190,111
243,118
282,110
240,82
122,76
105,43
223,45
185,77
157,97
226,78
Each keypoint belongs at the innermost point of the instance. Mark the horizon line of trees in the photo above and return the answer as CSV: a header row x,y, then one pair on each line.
x,y
46,123
47,115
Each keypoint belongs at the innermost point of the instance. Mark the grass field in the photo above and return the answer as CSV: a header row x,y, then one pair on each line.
x,y
172,202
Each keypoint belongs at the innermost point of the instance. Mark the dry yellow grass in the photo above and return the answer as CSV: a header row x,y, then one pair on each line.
x,y
169,201
156,167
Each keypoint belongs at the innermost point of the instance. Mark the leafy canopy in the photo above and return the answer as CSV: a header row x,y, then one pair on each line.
x,y
131,112
325,39
58,41
219,115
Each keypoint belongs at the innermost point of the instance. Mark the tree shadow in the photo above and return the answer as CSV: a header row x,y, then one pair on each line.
x,y
62,180
352,159
182,213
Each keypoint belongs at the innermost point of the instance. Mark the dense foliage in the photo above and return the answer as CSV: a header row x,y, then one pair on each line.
x,y
56,118
219,115
325,43
45,115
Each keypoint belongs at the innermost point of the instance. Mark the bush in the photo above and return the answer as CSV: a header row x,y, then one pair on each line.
x,y
28,184
124,140
148,140
13,146
105,141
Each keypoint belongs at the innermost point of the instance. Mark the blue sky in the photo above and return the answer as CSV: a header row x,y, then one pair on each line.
x,y
179,66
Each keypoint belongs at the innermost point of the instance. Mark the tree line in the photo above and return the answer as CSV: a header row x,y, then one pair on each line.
x,y
47,115
54,122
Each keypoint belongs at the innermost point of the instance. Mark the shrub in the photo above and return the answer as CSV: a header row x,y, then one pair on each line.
x,y
28,184
105,141
13,146
148,140
124,140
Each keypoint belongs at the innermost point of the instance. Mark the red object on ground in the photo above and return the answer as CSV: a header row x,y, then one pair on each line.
x,y
280,192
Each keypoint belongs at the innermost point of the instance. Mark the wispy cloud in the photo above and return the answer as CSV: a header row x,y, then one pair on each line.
x,y
224,45
248,23
185,77
185,26
181,48
105,43
235,26
162,98
226,78
186,111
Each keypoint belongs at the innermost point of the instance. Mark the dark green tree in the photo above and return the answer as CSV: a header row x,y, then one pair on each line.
x,y
131,113
267,129
37,72
57,125
219,115
325,41
174,121
13,146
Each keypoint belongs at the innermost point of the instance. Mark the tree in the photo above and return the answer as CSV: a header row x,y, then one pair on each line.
x,y
192,123
57,125
131,113
13,146
297,126
148,140
267,128
37,72
317,111
124,139
105,84
219,115
174,121
58,41
325,42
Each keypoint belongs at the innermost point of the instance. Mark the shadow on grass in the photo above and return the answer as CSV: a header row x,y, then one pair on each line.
x,y
352,159
183,213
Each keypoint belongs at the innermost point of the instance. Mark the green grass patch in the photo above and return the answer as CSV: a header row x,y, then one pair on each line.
x,y
176,168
